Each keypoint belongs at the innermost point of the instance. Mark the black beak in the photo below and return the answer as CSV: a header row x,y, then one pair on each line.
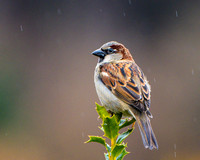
x,y
99,53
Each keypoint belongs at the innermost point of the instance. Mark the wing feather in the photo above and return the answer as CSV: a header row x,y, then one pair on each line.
x,y
126,81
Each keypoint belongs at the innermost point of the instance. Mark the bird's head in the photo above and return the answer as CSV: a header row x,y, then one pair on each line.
x,y
112,51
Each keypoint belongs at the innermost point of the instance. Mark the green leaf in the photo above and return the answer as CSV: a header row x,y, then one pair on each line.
x,y
118,116
123,136
121,156
118,150
110,126
96,139
125,123
122,121
106,156
102,112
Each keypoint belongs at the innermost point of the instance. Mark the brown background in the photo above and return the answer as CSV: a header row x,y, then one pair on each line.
x,y
47,93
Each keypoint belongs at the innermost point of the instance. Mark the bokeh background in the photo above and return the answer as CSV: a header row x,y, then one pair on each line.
x,y
47,94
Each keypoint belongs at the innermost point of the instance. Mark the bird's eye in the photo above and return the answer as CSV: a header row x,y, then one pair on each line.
x,y
110,51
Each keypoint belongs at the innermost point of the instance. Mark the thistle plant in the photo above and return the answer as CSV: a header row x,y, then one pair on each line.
x,y
111,125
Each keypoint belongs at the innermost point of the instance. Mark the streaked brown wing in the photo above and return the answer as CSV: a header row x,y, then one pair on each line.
x,y
127,82
145,87
143,82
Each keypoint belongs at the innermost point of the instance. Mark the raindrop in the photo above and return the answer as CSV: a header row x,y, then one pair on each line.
x,y
175,146
154,79
83,135
129,1
192,71
21,28
176,13
59,11
175,154
124,14
175,150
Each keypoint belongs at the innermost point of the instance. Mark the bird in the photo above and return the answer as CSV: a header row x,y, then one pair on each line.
x,y
122,88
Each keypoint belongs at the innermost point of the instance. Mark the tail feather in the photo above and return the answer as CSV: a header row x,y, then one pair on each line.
x,y
148,136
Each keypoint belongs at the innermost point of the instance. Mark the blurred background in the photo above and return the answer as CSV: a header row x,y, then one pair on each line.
x,y
47,94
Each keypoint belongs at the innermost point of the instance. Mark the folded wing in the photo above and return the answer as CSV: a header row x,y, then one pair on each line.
x,y
126,81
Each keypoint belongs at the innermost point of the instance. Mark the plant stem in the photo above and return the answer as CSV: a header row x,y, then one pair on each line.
x,y
113,143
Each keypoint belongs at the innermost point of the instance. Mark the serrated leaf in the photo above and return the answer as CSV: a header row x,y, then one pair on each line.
x,y
106,156
110,126
122,121
96,139
118,150
121,156
125,123
123,136
102,112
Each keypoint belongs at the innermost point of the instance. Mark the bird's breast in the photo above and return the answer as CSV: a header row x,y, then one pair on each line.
x,y
108,99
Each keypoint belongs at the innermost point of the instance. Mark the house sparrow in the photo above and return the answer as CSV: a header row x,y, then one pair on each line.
x,y
122,87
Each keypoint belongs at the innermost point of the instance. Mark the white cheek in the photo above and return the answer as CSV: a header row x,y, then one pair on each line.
x,y
112,57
